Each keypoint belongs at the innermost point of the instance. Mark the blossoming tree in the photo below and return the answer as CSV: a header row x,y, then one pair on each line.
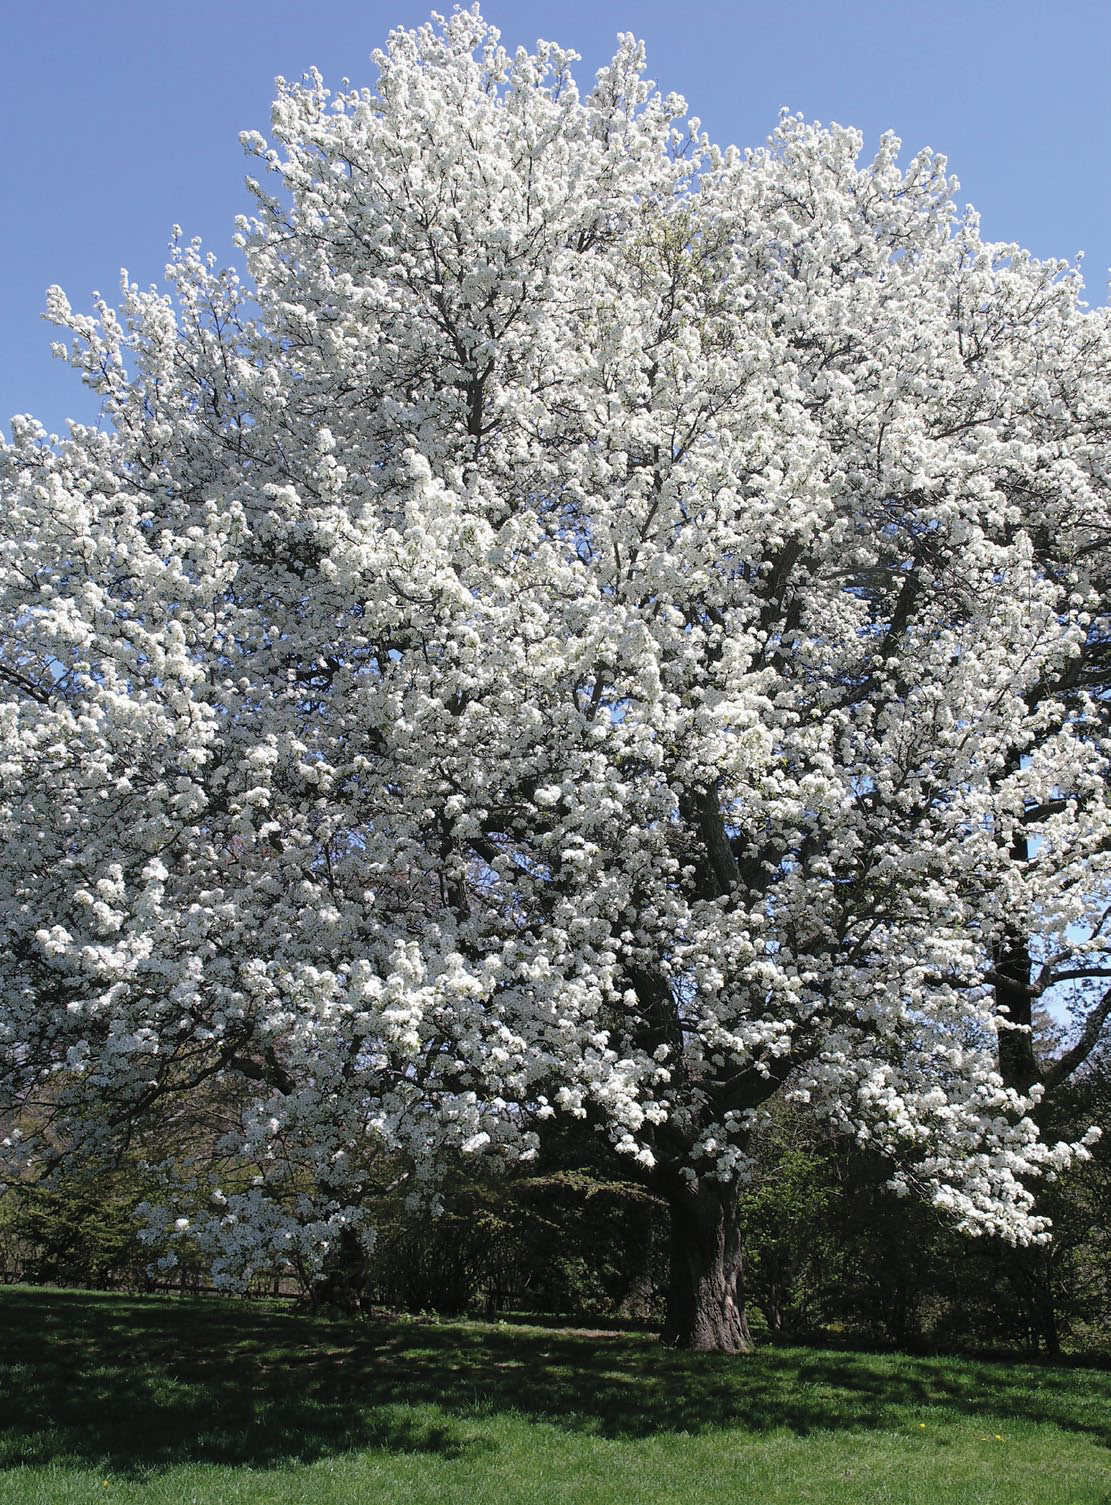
x,y
574,633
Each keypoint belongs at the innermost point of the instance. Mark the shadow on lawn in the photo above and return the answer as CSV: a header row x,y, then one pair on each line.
x,y
151,1383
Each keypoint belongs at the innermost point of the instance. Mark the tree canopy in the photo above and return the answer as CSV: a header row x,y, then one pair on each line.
x,y
593,624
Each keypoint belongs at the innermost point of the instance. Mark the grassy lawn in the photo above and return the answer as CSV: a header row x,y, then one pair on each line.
x,y
223,1403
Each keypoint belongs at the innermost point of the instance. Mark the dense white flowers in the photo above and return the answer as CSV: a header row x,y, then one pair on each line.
x,y
578,633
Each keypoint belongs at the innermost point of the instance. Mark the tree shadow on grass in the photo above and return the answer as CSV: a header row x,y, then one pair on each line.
x,y
140,1383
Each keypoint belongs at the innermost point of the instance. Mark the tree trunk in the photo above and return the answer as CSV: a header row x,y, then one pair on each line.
x,y
1018,1064
705,1306
770,1303
342,1283
636,1303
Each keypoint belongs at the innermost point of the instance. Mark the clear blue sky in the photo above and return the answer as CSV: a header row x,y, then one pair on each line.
x,y
121,117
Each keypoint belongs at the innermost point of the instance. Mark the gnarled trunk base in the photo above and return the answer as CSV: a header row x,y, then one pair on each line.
x,y
705,1304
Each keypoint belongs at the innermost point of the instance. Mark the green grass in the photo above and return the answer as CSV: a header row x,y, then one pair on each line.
x,y
225,1403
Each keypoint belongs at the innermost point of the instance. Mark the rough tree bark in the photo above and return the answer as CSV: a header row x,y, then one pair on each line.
x,y
705,1301
1018,1063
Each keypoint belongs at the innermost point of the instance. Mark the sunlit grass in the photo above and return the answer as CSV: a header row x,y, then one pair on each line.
x,y
191,1402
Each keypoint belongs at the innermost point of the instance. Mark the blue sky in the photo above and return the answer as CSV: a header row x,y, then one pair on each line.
x,y
121,117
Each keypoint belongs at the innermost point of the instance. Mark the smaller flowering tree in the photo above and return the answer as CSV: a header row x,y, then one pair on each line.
x,y
576,636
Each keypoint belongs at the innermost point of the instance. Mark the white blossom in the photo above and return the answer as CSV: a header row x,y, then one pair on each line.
x,y
560,638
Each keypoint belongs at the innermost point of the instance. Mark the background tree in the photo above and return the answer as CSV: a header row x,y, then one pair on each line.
x,y
831,1251
573,638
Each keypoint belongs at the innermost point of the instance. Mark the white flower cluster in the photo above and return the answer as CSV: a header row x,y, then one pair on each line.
x,y
578,633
